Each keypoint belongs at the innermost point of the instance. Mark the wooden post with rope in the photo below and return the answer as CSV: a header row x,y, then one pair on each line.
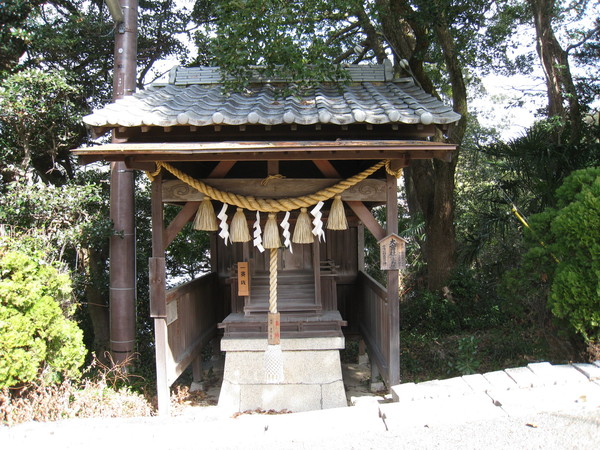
x,y
273,354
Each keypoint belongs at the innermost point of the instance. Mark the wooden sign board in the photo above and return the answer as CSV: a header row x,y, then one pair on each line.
x,y
392,253
273,328
243,279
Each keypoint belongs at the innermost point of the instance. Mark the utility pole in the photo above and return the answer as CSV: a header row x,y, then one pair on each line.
x,y
122,207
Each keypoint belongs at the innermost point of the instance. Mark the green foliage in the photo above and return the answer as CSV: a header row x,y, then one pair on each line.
x,y
58,220
466,362
188,256
38,338
40,121
575,237
531,167
287,39
13,32
564,252
466,305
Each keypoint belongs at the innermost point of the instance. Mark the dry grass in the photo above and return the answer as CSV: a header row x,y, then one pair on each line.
x,y
97,395
66,401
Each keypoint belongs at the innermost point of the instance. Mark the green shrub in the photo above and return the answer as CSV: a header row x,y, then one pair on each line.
x,y
37,337
575,231
465,305
467,360
569,259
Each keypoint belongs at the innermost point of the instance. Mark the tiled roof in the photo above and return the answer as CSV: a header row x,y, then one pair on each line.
x,y
194,97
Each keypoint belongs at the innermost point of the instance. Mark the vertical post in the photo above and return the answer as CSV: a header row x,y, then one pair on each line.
x,y
158,297
360,238
122,243
392,286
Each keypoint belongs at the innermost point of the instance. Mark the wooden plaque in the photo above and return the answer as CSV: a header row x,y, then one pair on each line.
x,y
243,279
392,253
273,328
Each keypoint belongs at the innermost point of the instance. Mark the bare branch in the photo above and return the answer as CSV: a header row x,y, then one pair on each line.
x,y
586,38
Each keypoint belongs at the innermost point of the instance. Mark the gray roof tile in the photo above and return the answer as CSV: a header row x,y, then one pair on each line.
x,y
194,97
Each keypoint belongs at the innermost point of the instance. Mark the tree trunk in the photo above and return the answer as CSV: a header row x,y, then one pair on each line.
x,y
430,184
555,62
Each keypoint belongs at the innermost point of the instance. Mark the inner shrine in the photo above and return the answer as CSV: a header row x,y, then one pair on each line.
x,y
285,185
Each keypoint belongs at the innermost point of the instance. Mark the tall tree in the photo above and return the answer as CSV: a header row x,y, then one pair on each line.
x,y
563,101
441,40
56,60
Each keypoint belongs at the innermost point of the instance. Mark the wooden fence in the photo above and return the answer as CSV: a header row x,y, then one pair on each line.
x,y
373,322
191,322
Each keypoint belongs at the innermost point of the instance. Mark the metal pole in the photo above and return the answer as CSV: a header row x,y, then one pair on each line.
x,y
122,243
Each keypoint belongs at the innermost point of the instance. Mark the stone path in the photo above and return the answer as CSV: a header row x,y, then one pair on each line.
x,y
539,387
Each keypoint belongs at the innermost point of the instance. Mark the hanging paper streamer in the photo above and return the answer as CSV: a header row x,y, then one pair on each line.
x,y
286,231
317,222
258,234
224,233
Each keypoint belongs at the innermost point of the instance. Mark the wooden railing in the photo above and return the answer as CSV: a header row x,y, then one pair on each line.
x,y
374,323
191,322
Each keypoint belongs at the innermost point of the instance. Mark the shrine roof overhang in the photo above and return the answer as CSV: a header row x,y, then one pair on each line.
x,y
139,155
194,97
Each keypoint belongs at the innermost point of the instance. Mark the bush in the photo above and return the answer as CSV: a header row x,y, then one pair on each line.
x,y
569,258
465,305
38,338
575,232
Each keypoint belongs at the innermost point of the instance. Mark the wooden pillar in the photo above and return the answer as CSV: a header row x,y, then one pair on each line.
x,y
392,286
158,300
360,237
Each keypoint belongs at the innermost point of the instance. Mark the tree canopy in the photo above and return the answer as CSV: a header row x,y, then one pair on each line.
x,y
56,61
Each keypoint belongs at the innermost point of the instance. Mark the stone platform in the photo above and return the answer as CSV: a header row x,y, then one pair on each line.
x,y
312,375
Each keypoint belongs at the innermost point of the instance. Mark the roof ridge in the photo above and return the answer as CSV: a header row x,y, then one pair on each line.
x,y
185,76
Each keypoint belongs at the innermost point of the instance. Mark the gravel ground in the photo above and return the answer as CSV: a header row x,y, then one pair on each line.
x,y
544,430
563,416
348,428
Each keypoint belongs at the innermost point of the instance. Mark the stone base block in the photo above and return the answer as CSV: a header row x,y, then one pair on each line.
x,y
312,376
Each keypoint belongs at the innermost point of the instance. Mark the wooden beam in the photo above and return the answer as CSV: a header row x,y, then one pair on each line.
x,y
396,164
265,147
369,190
137,165
326,168
89,159
367,218
361,246
207,155
157,278
272,167
316,260
158,303
183,217
185,359
158,248
222,169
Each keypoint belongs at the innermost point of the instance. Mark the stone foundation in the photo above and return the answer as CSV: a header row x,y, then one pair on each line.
x,y
312,375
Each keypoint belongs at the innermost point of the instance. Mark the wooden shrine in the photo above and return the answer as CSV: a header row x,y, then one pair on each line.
x,y
258,158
